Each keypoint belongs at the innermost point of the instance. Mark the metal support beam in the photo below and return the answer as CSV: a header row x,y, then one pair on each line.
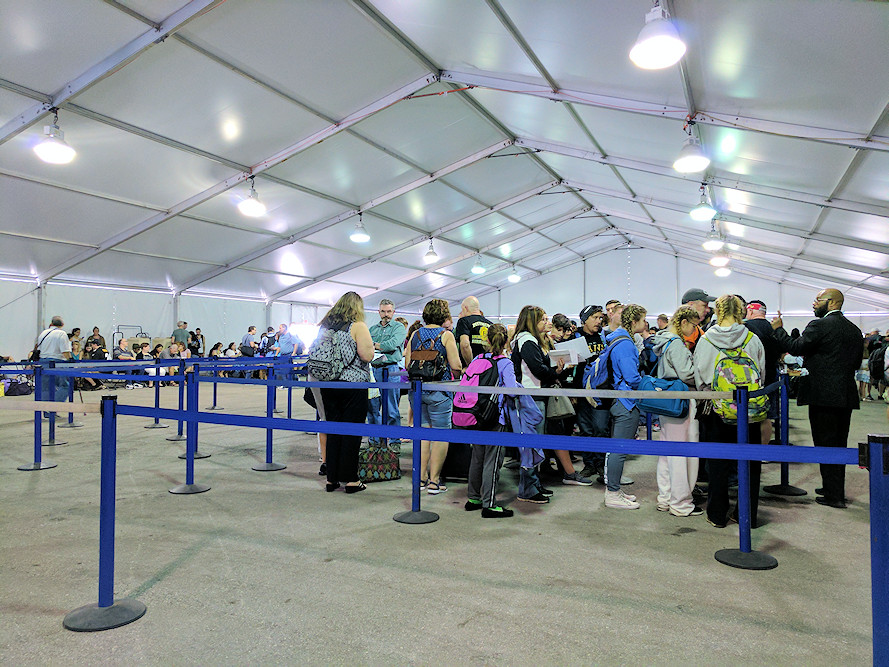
x,y
731,182
746,222
414,241
176,21
229,183
793,130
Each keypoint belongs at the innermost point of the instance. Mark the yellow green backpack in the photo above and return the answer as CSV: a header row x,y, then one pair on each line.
x,y
734,369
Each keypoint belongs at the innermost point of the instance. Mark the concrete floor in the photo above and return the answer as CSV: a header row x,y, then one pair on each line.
x,y
267,568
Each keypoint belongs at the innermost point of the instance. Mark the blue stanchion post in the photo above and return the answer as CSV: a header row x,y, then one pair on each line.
x,y
648,425
71,423
51,439
290,390
878,469
416,515
158,374
744,557
182,384
195,379
384,402
272,376
784,488
269,465
191,443
108,613
215,405
39,463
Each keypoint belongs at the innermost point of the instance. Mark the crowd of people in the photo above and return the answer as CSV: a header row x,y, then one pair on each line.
x,y
694,345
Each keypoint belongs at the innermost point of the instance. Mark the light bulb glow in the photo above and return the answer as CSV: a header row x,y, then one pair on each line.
x,y
658,45
251,207
719,260
359,234
477,268
712,245
691,159
703,212
723,272
53,149
514,277
431,255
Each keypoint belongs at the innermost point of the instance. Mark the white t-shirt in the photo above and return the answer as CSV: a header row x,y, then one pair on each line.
x,y
53,342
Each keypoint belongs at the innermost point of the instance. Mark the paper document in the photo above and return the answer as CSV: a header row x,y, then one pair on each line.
x,y
556,355
577,349
377,355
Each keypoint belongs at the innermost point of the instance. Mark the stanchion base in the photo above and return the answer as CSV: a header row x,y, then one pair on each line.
x,y
276,411
177,438
418,517
268,466
214,407
53,443
158,425
183,489
197,455
754,560
70,425
92,617
43,465
785,490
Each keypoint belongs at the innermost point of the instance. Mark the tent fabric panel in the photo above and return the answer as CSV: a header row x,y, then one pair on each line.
x,y
301,259
500,177
115,268
383,235
870,182
429,207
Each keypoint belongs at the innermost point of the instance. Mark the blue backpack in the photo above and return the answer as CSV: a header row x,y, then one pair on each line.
x,y
600,374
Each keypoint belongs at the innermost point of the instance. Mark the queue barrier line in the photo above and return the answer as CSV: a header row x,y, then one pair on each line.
x,y
46,406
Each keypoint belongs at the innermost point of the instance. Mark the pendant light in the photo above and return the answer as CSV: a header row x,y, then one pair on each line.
x,y
514,277
714,240
719,260
703,212
53,148
477,268
431,255
691,158
658,45
251,207
359,234
723,272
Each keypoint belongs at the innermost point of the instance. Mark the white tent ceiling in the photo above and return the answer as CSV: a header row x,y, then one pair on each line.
x,y
517,129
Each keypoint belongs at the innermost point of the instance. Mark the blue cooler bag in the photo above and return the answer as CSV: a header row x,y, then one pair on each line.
x,y
666,407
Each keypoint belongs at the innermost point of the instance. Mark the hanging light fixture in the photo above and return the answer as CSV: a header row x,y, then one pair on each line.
x,y
477,268
53,148
658,44
251,207
720,260
359,234
514,277
703,212
723,272
431,255
691,158
714,240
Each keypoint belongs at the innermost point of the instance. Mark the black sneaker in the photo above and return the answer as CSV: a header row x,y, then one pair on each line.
x,y
537,498
546,492
496,512
472,505
323,469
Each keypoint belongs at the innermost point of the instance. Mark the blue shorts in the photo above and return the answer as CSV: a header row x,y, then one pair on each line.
x,y
437,406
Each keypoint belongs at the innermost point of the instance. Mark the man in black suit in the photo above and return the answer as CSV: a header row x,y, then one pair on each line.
x,y
832,348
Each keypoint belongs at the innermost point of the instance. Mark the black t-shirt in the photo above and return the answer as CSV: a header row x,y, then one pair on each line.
x,y
596,343
763,330
476,327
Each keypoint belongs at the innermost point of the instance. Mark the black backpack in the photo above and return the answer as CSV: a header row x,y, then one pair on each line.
x,y
427,364
876,363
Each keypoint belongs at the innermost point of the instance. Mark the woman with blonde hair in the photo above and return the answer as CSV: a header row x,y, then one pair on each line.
x,y
676,475
345,323
728,337
436,405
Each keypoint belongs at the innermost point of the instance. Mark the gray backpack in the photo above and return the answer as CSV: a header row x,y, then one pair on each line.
x,y
325,362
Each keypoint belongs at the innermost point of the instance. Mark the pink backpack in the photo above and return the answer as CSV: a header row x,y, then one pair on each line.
x,y
478,411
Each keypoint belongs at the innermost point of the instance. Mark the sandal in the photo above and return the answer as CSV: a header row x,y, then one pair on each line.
x,y
434,488
332,486
355,488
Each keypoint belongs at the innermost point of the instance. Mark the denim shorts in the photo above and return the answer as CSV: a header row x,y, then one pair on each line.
x,y
437,406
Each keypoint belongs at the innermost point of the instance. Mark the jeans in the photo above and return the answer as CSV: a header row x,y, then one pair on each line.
x,y
593,424
529,482
623,426
53,388
391,396
436,409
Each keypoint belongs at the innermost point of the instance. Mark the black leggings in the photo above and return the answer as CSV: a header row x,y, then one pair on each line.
x,y
343,405
713,429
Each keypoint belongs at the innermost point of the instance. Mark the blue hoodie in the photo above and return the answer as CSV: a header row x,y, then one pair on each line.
x,y
625,364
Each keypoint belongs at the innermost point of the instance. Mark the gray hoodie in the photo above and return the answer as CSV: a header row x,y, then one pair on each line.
x,y
706,354
677,361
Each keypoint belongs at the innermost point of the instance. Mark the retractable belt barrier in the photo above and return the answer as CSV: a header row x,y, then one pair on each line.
x,y
110,613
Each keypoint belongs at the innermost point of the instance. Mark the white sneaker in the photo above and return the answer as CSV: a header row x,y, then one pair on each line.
x,y
662,507
628,496
615,500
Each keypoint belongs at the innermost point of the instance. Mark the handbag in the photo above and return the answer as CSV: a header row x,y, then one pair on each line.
x,y
247,351
666,407
35,353
559,407
379,463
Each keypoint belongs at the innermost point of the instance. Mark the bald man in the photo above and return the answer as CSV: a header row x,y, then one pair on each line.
x,y
832,348
472,330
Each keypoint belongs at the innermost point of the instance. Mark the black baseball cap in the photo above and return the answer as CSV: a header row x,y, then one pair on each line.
x,y
697,294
